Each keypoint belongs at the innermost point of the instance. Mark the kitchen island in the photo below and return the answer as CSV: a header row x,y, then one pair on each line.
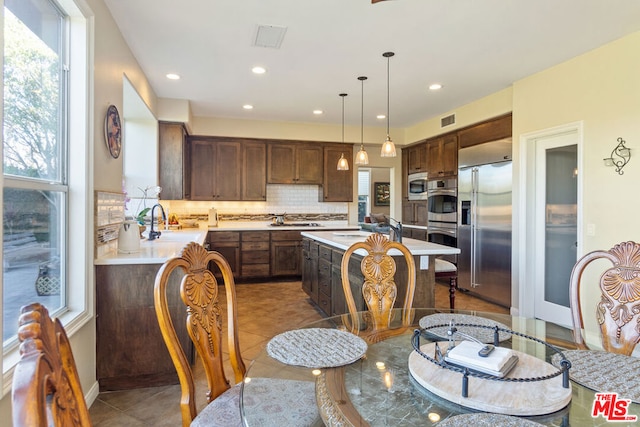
x,y
322,277
130,351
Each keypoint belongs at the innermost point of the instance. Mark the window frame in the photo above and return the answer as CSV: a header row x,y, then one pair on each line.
x,y
79,131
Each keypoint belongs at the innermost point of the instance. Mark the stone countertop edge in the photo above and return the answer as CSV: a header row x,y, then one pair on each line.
x,y
266,226
167,246
342,240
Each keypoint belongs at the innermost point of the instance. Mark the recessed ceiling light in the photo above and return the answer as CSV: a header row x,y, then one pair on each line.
x,y
248,107
381,116
172,76
259,70
435,86
318,112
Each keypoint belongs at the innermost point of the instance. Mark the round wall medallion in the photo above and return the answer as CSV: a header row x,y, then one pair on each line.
x,y
113,131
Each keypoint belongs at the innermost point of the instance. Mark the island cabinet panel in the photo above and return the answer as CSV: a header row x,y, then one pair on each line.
x,y
310,268
286,253
130,351
174,161
337,184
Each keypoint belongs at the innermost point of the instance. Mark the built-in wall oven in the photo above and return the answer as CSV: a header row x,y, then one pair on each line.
x,y
442,203
417,186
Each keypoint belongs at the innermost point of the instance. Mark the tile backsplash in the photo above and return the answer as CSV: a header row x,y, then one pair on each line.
x,y
292,199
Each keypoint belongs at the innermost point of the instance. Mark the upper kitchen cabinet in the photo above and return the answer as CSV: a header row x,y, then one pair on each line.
x,y
417,158
337,184
174,161
490,130
254,171
294,163
215,170
442,156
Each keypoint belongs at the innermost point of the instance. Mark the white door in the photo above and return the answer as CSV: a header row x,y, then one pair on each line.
x,y
556,220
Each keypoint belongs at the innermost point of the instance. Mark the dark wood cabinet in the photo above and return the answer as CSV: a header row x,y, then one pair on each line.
x,y
286,253
490,130
215,170
337,184
174,161
294,163
310,268
228,244
255,254
417,158
414,212
414,233
442,156
130,351
254,171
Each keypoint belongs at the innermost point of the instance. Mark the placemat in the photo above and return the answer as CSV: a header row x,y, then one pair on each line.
x,y
487,420
316,348
482,334
604,372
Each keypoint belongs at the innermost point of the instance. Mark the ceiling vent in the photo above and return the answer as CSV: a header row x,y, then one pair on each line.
x,y
447,121
269,36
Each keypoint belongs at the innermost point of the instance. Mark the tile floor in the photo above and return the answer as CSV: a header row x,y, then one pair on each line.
x,y
265,310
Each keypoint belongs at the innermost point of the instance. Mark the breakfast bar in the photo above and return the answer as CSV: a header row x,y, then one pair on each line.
x,y
321,278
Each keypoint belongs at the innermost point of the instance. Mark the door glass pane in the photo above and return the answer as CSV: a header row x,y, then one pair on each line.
x,y
560,222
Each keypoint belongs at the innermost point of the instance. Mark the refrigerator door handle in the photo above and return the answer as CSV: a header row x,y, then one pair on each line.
x,y
474,207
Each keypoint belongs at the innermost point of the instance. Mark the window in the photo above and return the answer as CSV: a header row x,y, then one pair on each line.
x,y
35,192
364,178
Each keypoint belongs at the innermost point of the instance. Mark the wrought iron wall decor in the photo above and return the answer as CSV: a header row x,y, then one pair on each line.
x,y
620,156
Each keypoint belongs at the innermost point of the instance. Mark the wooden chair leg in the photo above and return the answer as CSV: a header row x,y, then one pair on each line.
x,y
452,291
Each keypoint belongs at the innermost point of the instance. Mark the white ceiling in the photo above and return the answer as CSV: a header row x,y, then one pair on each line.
x,y
472,47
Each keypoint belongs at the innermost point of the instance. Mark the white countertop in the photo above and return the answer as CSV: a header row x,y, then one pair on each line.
x,y
342,240
157,251
266,226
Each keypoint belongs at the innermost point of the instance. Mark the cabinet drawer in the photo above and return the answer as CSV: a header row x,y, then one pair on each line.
x,y
325,286
255,246
325,253
255,236
255,270
224,236
255,257
324,301
285,235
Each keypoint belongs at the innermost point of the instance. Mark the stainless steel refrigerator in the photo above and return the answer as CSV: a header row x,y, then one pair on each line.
x,y
484,221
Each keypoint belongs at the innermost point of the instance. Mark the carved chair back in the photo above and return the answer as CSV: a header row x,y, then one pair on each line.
x,y
618,311
46,388
199,292
379,289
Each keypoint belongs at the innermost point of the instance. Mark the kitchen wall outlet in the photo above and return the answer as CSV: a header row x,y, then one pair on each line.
x,y
424,262
591,229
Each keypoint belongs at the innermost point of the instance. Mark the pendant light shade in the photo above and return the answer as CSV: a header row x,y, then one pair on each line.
x,y
343,163
388,148
362,158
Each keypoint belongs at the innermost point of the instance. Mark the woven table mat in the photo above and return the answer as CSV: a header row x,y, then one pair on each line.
x,y
316,348
487,420
482,334
604,372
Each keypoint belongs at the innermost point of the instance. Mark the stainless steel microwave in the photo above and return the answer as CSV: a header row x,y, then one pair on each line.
x,y
417,185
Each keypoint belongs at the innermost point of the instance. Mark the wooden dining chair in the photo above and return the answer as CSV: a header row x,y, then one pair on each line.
x,y
618,311
205,317
379,289
46,389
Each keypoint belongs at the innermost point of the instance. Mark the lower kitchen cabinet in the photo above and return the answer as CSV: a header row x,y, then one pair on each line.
x,y
286,253
228,244
310,268
255,254
415,212
130,351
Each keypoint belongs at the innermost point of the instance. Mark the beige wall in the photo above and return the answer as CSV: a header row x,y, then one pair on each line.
x,y
599,89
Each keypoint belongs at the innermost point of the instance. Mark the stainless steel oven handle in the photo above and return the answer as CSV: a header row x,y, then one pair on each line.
x,y
442,192
434,230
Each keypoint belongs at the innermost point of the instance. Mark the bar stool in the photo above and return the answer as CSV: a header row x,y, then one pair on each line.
x,y
448,270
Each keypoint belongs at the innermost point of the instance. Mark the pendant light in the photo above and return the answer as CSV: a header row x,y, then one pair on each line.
x,y
343,164
362,158
388,148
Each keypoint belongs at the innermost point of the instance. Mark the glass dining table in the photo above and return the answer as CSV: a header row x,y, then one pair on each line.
x,y
378,388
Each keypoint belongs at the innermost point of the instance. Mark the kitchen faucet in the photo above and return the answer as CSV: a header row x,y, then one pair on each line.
x,y
155,234
395,232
